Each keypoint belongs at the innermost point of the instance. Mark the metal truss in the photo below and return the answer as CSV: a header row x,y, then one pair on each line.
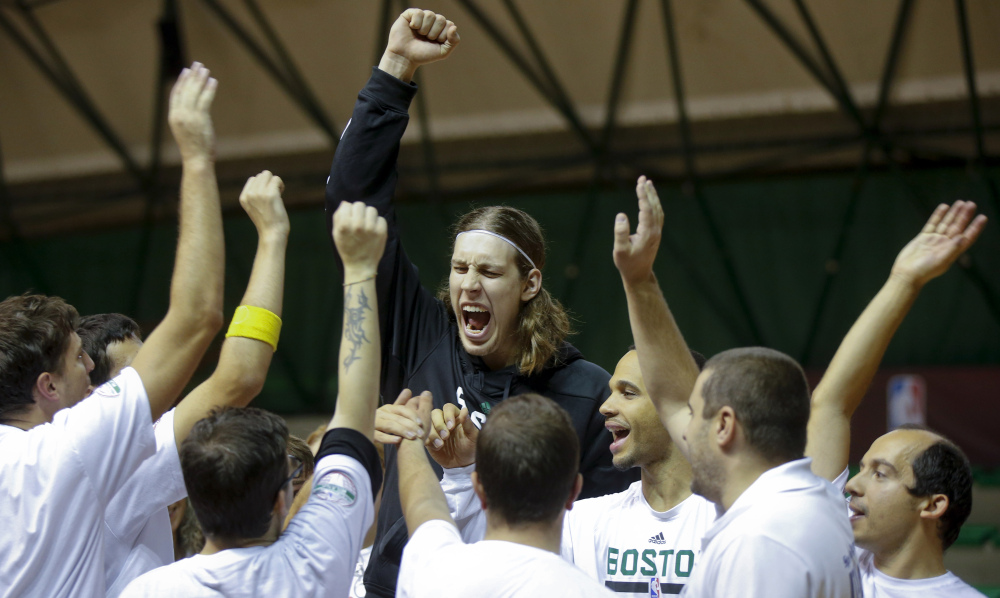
x,y
595,147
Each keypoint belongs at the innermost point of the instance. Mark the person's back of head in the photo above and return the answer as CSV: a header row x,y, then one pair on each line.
x,y
769,394
235,462
543,324
98,332
35,333
527,459
943,468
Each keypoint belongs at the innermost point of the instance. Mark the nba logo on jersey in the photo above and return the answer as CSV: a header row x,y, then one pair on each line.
x,y
907,401
654,587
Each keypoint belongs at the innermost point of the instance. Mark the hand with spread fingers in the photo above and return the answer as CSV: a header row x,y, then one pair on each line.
x,y
396,422
189,118
634,254
261,199
947,234
417,37
452,438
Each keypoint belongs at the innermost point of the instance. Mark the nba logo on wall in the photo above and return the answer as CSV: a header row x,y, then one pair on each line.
x,y
907,400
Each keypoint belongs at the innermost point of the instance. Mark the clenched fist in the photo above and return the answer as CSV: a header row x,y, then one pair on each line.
x,y
417,38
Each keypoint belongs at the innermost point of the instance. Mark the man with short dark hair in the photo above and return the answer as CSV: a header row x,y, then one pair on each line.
x,y
111,341
527,477
239,474
780,530
63,459
495,332
914,490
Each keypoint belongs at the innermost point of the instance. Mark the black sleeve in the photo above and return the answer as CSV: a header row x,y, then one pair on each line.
x,y
364,169
353,444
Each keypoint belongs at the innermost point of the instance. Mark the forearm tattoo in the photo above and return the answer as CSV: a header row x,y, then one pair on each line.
x,y
354,320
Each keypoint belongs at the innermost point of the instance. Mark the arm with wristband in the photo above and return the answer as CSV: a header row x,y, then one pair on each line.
x,y
252,338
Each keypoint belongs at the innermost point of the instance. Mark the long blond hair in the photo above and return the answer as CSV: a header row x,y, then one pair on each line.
x,y
542,323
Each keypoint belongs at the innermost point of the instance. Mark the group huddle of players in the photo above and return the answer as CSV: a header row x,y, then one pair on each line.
x,y
723,477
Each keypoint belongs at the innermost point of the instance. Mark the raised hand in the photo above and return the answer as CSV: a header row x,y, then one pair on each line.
x,y
452,438
189,118
417,38
261,199
395,422
359,233
947,234
634,254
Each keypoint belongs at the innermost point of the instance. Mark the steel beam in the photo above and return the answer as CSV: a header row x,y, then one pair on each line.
x,y
57,71
968,64
286,75
684,127
885,86
567,111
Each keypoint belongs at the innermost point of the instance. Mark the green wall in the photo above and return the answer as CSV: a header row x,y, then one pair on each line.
x,y
780,232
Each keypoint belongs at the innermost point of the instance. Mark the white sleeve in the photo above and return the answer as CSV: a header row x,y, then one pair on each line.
x,y
841,482
463,504
421,555
157,484
110,431
330,528
758,567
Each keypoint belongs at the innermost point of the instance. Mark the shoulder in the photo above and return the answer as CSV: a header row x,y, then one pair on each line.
x,y
171,580
572,376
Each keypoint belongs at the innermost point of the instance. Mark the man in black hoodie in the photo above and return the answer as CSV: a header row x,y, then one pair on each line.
x,y
494,333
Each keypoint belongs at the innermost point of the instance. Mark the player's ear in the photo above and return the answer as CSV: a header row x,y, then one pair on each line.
x,y
478,488
934,506
577,487
532,285
724,427
45,387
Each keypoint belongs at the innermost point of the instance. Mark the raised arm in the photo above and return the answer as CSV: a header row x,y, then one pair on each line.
x,y
420,494
667,367
170,355
244,360
359,233
947,234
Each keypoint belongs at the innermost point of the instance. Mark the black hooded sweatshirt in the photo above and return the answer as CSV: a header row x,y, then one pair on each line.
x,y
421,349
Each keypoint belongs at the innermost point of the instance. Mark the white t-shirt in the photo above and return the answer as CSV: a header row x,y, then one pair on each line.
x,y
138,537
57,479
625,545
617,539
880,585
315,556
434,566
358,583
785,536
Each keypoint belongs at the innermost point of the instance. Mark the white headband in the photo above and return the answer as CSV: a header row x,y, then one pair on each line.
x,y
502,238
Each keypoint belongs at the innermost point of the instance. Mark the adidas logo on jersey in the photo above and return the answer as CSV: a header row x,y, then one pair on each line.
x,y
657,539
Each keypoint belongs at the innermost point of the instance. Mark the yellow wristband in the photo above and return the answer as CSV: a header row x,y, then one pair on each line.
x,y
257,323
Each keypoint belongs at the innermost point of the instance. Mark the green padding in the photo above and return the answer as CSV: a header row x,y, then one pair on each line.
x,y
780,232
989,591
986,477
975,535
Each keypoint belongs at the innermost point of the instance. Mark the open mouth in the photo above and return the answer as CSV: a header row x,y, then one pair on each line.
x,y
476,320
856,513
620,434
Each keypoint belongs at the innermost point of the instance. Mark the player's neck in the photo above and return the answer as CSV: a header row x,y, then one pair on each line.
x,y
28,418
918,557
545,535
215,544
666,483
740,474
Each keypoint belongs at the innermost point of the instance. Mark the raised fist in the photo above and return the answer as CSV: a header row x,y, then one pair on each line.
x,y
417,38
261,199
359,233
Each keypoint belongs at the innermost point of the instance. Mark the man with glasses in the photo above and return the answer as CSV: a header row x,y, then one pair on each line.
x,y
239,473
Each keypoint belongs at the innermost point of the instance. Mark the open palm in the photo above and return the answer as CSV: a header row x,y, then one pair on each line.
x,y
947,234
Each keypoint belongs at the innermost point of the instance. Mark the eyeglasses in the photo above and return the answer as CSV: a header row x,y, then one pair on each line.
x,y
297,466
